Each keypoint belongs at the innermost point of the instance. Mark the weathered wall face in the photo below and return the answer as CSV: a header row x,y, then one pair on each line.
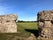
x,y
45,22
8,23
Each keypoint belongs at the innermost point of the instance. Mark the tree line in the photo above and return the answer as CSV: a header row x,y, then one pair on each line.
x,y
25,21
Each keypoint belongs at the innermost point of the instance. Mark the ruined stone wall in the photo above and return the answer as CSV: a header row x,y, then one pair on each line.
x,y
45,24
8,23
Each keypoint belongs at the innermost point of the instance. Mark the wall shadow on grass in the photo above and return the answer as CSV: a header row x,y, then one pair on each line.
x,y
35,32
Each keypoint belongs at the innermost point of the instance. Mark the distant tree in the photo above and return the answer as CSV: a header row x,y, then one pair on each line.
x,y
20,21
25,21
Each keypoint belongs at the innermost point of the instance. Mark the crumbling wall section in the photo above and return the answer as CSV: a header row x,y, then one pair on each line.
x,y
8,23
45,24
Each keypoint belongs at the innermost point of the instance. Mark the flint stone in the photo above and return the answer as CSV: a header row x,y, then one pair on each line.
x,y
41,24
8,23
47,24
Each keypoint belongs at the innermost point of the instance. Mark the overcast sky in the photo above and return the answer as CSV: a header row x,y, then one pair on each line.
x,y
25,9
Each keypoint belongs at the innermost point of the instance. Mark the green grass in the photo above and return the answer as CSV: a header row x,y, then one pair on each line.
x,y
22,26
28,25
13,36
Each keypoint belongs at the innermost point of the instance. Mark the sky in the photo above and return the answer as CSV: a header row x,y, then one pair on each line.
x,y
26,10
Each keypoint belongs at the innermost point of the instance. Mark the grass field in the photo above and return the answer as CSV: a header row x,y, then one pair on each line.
x,y
22,26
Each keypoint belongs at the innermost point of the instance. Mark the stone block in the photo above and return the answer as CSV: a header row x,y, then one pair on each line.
x,y
8,23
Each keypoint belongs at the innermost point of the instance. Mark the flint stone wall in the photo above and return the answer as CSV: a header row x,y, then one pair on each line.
x,y
45,22
8,23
